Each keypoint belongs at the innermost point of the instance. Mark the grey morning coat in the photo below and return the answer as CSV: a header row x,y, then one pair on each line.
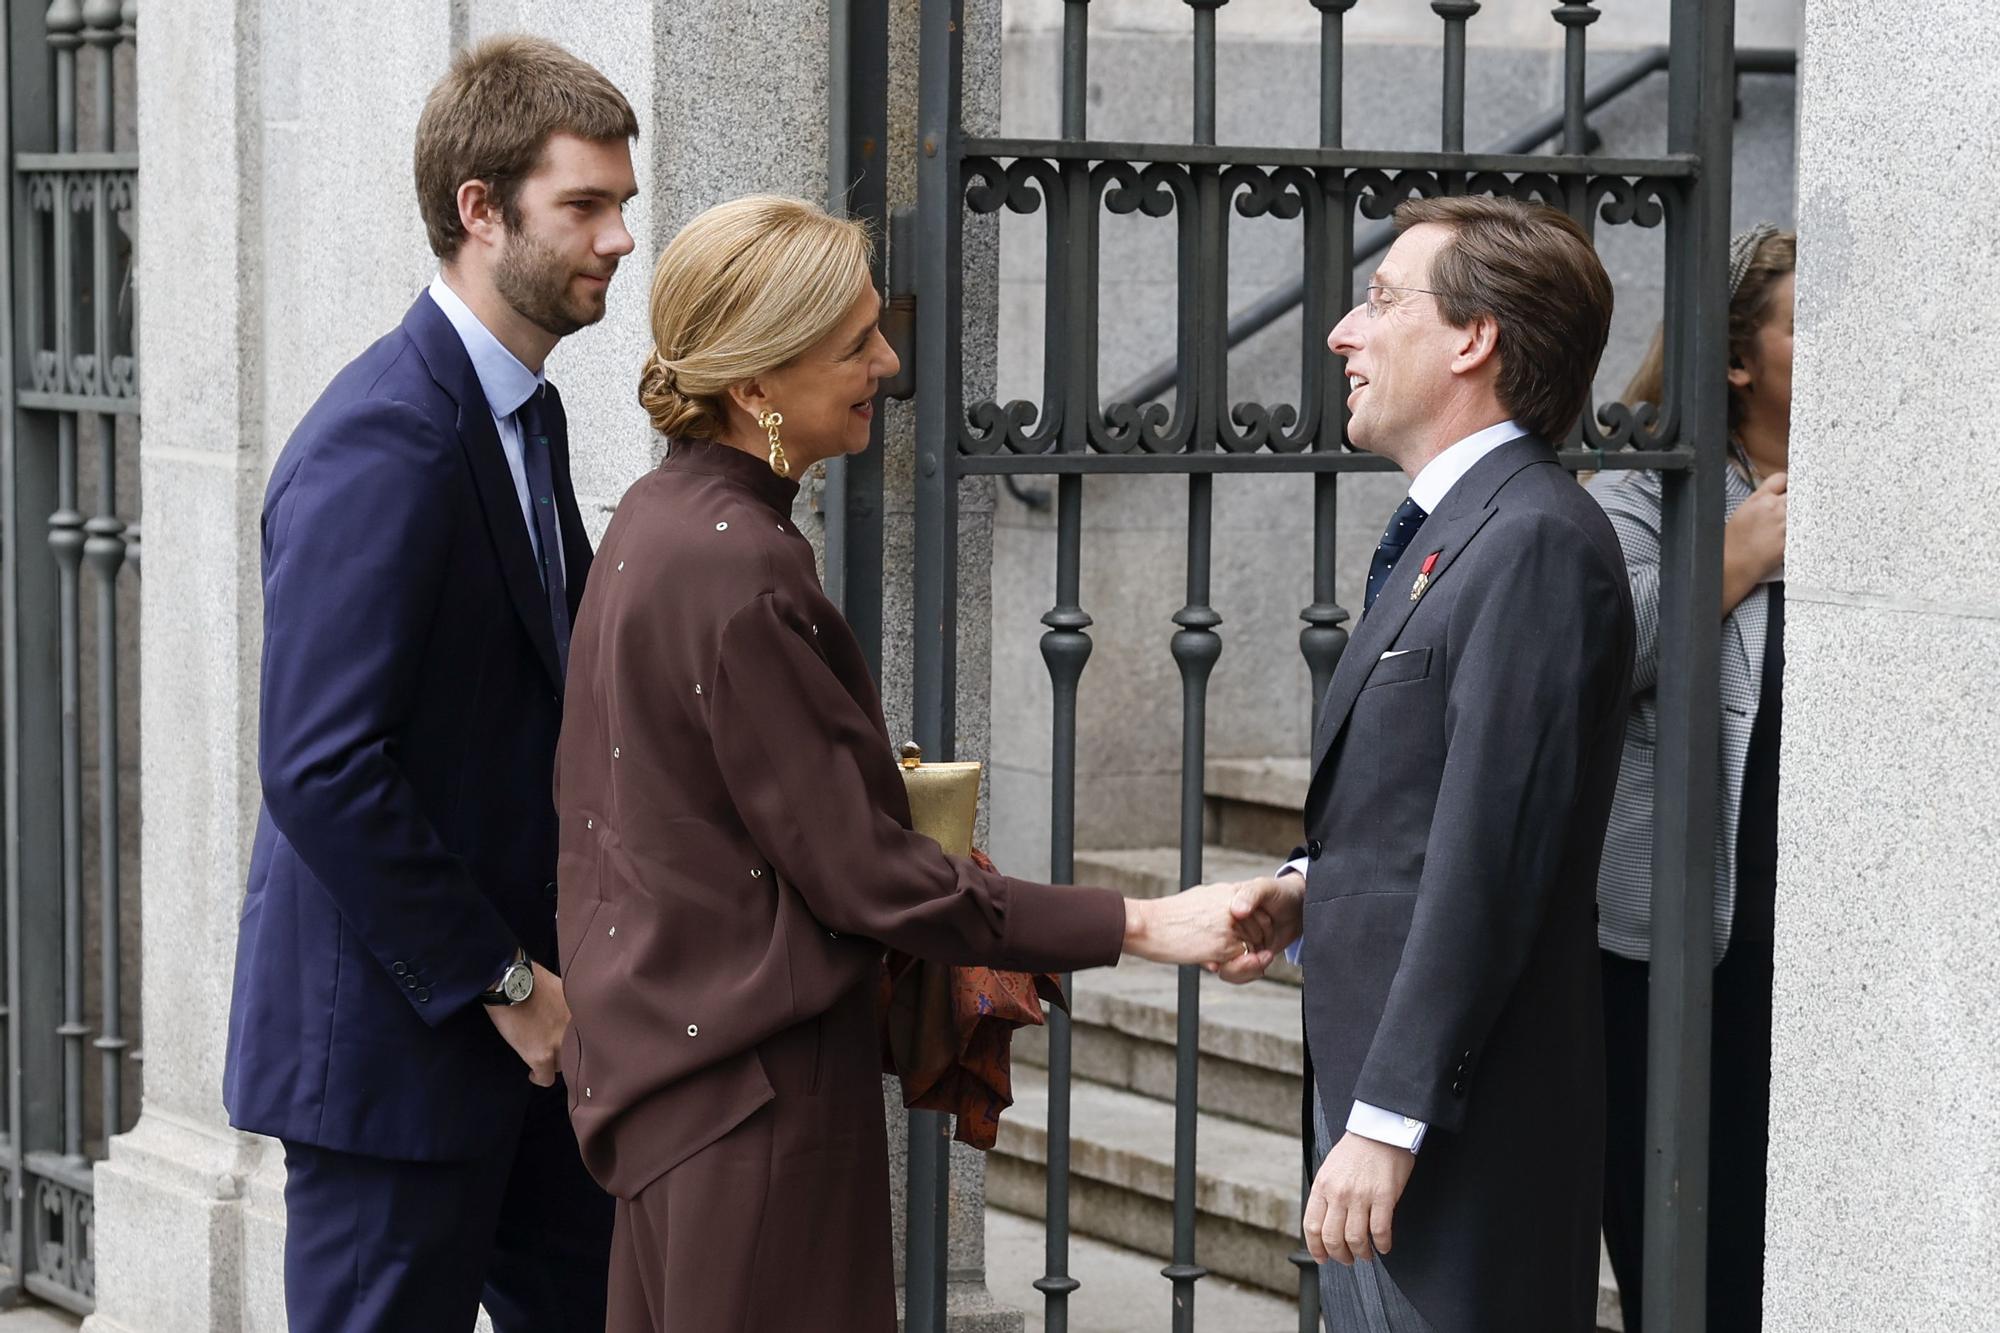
x,y
1463,772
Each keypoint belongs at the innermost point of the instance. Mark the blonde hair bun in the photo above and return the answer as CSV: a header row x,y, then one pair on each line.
x,y
741,290
671,412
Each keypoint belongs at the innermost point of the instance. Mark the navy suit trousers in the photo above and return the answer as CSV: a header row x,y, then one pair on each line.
x,y
373,1244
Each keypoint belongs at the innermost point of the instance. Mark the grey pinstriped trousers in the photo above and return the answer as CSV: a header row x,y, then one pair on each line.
x,y
1364,1298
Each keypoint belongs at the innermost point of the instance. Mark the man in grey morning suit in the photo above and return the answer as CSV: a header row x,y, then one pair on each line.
x,y
1463,772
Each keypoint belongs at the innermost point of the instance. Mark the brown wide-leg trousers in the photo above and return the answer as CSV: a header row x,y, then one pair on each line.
x,y
782,1223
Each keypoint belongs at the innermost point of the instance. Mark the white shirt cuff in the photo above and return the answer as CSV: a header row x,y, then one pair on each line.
x,y
1398,1131
1295,866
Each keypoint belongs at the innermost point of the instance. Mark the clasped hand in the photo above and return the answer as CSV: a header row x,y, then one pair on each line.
x,y
1232,929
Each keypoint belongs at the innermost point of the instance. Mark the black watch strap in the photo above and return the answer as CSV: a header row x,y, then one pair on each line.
x,y
498,995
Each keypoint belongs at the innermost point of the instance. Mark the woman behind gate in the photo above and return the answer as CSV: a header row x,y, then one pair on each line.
x,y
736,849
1746,853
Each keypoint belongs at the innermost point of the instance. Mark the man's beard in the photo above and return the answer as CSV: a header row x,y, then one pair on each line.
x,y
534,280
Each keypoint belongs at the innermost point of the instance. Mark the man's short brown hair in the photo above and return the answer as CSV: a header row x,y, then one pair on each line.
x,y
491,116
1532,271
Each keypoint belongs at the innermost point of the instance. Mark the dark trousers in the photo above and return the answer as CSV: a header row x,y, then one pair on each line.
x,y
1739,1132
1361,1297
374,1244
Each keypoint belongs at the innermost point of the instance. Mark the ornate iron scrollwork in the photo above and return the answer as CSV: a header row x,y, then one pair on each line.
x,y
1284,193
1377,193
1025,185
1159,189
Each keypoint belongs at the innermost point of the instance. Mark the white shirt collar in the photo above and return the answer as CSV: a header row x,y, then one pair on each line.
x,y
502,378
1442,473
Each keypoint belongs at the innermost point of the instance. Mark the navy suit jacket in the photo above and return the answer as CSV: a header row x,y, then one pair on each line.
x,y
409,711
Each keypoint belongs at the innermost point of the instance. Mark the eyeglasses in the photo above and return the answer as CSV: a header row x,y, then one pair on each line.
x,y
1377,306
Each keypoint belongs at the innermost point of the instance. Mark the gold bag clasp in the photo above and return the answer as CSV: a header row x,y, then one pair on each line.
x,y
944,799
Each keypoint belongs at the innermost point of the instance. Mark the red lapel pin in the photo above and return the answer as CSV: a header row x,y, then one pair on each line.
x,y
1424,575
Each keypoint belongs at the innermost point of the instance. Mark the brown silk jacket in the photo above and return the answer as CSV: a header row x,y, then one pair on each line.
x,y
735,840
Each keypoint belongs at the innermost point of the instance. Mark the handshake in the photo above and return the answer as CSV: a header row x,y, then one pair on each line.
x,y
1233,930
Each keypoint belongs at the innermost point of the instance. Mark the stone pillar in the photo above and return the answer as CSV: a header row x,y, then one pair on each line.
x,y
168,1237
1883,1164
279,236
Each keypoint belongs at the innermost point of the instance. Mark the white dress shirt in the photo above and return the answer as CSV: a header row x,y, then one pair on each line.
x,y
508,385
1433,482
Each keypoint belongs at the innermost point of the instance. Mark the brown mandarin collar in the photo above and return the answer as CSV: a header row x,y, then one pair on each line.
x,y
716,459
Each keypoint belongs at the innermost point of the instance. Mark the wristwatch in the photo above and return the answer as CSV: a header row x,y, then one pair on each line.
x,y
517,983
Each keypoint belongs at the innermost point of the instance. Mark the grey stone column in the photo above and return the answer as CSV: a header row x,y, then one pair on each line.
x,y
278,237
1884,1164
168,1243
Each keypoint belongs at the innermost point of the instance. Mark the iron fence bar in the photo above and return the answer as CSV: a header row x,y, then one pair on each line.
x,y
1451,135
87,160
1680,985
1184,464
1669,165
1574,18
11,1259
935,631
65,538
104,549
1066,650
1195,645
857,183
102,404
1323,638
1065,644
1576,93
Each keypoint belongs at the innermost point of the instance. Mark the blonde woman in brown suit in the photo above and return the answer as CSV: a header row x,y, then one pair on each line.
x,y
736,849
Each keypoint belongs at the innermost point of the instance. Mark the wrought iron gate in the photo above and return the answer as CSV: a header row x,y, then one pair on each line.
x,y
68,428
1072,432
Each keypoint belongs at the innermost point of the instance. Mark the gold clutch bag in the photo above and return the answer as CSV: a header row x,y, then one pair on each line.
x,y
944,799
946,1030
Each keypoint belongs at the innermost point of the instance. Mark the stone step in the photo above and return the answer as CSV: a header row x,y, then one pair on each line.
x,y
1125,1023
1122,1182
1155,872
1122,1178
1121,1290
1255,804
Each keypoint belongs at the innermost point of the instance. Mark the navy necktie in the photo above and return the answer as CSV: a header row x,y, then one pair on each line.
x,y
1403,525
535,459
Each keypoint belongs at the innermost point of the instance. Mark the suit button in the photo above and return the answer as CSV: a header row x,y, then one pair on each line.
x,y
409,983
1458,1087
424,995
551,887
1313,849
399,968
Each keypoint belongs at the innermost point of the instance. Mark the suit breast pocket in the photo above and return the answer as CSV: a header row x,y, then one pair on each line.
x,y
1397,667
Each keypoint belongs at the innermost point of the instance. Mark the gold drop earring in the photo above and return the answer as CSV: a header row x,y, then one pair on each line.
x,y
770,421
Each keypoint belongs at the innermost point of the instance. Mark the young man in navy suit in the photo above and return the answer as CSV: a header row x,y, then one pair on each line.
x,y
397,1015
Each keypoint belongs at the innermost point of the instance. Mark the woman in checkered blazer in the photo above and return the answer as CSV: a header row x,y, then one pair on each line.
x,y
1746,835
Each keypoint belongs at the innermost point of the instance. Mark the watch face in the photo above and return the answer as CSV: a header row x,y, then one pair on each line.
x,y
518,984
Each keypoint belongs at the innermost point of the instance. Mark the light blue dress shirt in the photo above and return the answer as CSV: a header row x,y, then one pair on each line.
x,y
507,385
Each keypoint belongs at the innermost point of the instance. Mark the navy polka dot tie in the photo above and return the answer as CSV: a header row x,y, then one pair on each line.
x,y
1403,525
547,534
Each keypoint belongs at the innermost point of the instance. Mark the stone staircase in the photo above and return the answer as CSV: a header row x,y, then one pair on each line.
x,y
1249,1071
